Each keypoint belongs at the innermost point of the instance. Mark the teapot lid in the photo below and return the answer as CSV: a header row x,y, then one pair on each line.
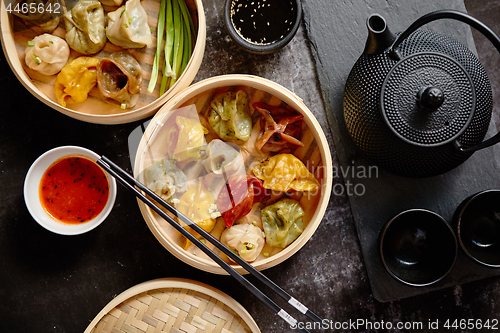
x,y
428,99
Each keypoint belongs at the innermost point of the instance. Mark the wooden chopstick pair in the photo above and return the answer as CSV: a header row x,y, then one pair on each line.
x,y
131,183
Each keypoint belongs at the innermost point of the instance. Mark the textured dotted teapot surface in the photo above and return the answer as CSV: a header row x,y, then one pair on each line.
x,y
423,123
373,136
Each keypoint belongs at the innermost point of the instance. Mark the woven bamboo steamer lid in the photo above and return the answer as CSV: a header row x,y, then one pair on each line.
x,y
170,238
173,305
94,110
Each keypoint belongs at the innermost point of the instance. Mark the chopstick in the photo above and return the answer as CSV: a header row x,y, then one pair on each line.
x,y
130,182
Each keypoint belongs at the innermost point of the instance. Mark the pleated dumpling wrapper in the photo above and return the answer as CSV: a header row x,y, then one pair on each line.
x,y
230,117
128,26
283,222
47,54
165,179
75,80
85,32
186,139
246,239
284,172
119,78
197,204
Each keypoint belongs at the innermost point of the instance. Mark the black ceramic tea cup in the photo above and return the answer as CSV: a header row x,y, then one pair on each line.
x,y
418,247
478,227
262,26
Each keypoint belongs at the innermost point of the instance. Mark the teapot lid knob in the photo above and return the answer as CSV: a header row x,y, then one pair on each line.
x,y
428,99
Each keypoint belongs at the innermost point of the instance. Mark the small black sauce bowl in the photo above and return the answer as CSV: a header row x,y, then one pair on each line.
x,y
257,48
418,247
478,227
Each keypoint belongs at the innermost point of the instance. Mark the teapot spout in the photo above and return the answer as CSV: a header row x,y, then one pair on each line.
x,y
379,35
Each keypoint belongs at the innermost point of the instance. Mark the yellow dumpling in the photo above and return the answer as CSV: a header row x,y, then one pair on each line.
x,y
284,172
75,80
197,203
186,139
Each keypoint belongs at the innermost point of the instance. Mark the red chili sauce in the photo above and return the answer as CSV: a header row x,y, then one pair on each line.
x,y
74,190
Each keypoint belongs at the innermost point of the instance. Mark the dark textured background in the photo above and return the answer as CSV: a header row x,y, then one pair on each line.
x,y
381,195
52,283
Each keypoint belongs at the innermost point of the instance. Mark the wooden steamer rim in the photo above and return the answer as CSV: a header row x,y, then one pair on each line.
x,y
15,62
290,99
185,305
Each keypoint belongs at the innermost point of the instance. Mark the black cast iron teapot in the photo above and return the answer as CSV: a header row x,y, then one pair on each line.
x,y
420,103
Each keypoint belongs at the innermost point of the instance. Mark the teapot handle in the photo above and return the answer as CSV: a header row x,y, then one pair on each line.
x,y
465,18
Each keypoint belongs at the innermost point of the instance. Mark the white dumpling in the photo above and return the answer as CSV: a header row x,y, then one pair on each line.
x,y
165,179
128,26
221,154
246,239
47,55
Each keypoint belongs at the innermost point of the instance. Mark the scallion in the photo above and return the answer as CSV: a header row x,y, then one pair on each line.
x,y
175,19
189,32
169,44
35,58
178,38
159,39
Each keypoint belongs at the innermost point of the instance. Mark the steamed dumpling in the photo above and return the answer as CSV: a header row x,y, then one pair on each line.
x,y
111,2
186,139
49,26
246,239
75,80
198,204
229,116
165,179
283,222
285,172
39,15
221,154
47,55
119,78
85,31
128,26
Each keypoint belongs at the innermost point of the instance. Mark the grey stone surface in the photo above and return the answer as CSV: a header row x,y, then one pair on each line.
x,y
51,283
487,11
337,43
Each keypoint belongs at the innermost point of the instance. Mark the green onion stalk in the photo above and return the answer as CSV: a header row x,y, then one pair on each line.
x,y
169,44
175,21
159,40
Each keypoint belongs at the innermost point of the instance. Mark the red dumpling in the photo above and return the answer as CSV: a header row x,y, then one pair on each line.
x,y
238,196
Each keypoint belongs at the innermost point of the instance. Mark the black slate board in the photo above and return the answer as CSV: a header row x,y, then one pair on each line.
x,y
337,31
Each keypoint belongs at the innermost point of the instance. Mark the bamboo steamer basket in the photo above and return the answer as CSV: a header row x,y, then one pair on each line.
x,y
94,110
316,152
173,305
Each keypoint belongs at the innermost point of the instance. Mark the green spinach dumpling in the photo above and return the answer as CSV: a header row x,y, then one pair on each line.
x,y
229,116
85,31
283,222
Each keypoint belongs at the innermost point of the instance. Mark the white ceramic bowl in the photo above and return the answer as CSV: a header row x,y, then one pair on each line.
x,y
32,198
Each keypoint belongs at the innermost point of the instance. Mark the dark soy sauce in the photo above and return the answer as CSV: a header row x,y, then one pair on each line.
x,y
263,21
